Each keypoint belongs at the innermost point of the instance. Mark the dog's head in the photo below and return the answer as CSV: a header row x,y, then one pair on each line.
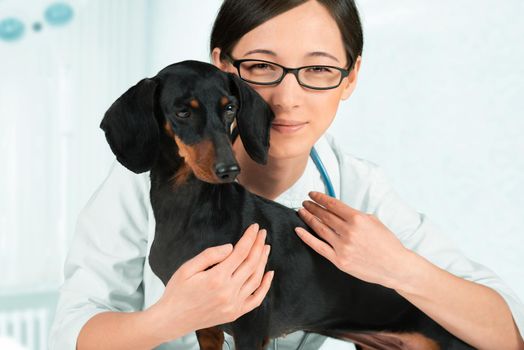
x,y
193,104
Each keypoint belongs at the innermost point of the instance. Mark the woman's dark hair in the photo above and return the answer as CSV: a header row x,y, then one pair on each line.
x,y
237,17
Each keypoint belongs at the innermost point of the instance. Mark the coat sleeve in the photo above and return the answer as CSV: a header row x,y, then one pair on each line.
x,y
105,264
419,234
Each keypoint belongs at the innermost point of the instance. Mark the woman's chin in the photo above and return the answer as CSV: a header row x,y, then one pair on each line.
x,y
282,148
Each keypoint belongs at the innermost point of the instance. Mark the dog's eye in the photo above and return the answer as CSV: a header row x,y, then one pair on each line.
x,y
183,114
231,110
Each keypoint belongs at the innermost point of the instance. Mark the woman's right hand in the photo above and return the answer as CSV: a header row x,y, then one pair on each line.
x,y
217,286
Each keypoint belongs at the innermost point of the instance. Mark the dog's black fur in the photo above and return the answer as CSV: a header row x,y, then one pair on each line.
x,y
308,292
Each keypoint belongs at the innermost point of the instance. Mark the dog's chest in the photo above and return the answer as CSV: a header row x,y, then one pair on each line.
x,y
187,222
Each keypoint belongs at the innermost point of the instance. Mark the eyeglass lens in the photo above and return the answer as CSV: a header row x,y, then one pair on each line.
x,y
314,76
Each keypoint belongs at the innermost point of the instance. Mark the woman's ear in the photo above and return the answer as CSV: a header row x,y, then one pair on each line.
x,y
351,80
218,62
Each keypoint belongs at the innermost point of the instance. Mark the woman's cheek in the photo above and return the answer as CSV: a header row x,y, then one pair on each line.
x,y
323,113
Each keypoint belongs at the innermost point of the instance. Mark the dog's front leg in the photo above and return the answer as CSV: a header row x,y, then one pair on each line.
x,y
210,338
251,341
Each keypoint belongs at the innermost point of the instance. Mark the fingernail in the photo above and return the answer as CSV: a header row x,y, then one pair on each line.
x,y
263,233
298,230
255,227
314,194
268,249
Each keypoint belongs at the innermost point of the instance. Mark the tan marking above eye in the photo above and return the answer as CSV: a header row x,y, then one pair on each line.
x,y
224,101
194,103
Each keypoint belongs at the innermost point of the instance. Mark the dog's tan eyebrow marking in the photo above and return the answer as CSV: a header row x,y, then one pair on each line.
x,y
194,103
224,101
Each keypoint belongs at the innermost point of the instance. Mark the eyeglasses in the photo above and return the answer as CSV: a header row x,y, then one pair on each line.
x,y
317,77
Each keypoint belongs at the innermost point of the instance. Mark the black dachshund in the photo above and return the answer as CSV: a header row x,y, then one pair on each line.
x,y
177,125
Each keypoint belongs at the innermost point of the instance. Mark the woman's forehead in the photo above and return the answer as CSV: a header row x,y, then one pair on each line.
x,y
306,54
304,32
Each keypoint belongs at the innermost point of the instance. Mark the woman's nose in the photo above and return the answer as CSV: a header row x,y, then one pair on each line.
x,y
288,94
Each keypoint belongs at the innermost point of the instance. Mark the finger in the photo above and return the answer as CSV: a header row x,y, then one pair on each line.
x,y
337,207
256,278
207,258
249,265
255,299
320,228
316,244
241,250
328,218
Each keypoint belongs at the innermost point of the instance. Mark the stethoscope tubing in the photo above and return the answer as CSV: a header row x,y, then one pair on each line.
x,y
323,172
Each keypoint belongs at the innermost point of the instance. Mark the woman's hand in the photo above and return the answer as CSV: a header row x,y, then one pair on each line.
x,y
360,245
356,242
217,286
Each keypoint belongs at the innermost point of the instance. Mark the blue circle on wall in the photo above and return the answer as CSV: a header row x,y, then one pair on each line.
x,y
11,29
58,14
37,26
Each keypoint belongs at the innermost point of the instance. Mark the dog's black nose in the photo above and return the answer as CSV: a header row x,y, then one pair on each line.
x,y
227,172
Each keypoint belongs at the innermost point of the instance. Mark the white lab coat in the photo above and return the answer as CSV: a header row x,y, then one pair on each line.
x,y
107,266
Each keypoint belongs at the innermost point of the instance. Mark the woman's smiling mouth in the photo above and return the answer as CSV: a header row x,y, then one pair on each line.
x,y
287,126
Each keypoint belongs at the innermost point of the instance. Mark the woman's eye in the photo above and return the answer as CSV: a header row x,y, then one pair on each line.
x,y
260,66
183,114
319,69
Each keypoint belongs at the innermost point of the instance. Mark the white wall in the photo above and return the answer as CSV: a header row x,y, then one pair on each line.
x,y
55,87
439,106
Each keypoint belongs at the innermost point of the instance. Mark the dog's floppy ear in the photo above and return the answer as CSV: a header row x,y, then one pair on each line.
x,y
254,119
131,128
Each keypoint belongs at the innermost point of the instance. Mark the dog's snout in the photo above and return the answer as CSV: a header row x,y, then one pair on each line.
x,y
227,172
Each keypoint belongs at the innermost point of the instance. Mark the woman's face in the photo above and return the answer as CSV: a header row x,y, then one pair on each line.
x,y
305,35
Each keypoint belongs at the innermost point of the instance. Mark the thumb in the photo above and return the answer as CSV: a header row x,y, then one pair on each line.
x,y
207,258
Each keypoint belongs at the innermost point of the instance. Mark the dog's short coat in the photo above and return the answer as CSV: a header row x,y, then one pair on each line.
x,y
177,125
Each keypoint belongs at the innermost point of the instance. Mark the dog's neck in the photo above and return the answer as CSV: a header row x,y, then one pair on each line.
x,y
189,204
168,162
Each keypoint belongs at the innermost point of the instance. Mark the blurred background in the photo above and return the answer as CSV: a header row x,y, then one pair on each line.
x,y
439,107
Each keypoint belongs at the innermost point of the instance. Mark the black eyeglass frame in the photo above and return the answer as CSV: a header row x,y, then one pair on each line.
x,y
286,70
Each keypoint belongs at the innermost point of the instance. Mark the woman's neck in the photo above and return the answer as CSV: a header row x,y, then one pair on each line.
x,y
269,180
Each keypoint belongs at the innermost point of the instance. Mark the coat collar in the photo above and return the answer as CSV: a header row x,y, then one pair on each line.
x,y
311,179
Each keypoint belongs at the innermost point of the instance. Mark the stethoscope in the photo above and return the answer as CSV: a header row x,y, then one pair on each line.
x,y
323,172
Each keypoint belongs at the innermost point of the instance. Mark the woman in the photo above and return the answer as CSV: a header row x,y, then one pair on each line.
x,y
112,300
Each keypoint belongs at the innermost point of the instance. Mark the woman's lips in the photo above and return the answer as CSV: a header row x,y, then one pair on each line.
x,y
287,128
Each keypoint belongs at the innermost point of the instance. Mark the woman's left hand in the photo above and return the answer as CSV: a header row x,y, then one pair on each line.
x,y
355,242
